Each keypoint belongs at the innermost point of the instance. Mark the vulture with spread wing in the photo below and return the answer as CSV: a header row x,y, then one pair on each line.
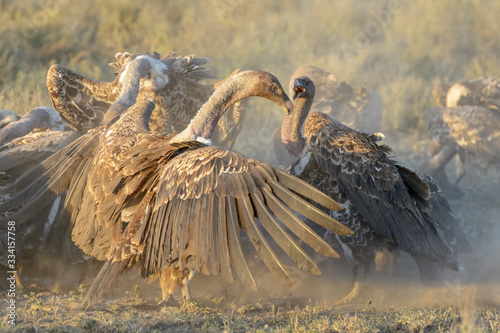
x,y
176,205
34,199
385,204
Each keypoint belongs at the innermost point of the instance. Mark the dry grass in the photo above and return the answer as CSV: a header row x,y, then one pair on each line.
x,y
418,44
40,312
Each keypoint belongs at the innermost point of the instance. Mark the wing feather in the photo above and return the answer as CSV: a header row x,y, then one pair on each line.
x,y
297,226
281,237
228,245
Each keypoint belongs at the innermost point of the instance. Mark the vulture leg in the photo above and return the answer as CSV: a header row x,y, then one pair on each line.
x,y
171,279
363,257
359,278
435,167
18,281
439,160
186,294
435,147
460,166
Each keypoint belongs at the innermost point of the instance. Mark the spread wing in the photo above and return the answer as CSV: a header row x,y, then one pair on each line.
x,y
19,155
184,205
392,199
80,101
39,186
206,196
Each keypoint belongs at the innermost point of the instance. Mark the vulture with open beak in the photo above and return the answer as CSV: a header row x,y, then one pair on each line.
x,y
353,106
177,206
385,204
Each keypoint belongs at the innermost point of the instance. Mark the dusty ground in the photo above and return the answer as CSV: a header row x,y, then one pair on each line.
x,y
397,302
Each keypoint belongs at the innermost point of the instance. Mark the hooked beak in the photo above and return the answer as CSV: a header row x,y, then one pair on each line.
x,y
298,89
332,79
288,105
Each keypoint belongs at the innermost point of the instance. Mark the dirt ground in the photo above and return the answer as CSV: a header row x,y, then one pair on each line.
x,y
390,302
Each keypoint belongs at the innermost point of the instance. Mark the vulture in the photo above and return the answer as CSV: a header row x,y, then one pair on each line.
x,y
82,101
386,205
6,117
38,119
352,106
175,205
19,155
466,122
34,199
479,92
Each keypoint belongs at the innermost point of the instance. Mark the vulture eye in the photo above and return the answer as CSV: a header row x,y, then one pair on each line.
x,y
274,87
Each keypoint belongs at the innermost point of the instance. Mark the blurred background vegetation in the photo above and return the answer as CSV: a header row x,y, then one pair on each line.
x,y
399,47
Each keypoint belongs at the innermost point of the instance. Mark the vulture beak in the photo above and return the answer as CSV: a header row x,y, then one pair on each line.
x,y
288,105
331,79
280,97
299,89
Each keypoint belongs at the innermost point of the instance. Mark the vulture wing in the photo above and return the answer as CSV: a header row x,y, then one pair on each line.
x,y
80,101
393,200
204,196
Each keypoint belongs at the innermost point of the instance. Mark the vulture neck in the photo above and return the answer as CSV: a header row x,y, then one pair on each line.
x,y
129,90
203,124
293,127
139,115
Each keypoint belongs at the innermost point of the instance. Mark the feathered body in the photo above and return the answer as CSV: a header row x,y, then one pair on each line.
x,y
385,204
177,206
82,101
466,123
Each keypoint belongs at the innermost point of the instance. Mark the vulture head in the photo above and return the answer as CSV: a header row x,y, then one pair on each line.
x,y
263,84
302,87
316,74
152,70
142,71
240,86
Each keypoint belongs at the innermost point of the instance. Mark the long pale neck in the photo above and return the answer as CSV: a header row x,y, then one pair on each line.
x,y
138,115
292,128
128,94
203,124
